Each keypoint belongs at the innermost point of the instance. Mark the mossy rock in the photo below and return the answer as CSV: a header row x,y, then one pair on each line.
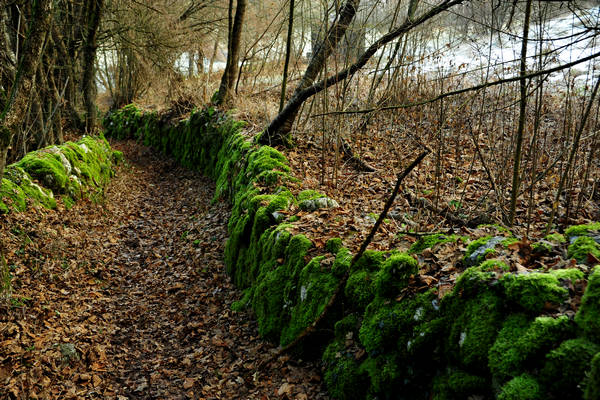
x,y
522,387
317,204
405,325
475,322
566,366
522,342
394,274
568,274
334,245
360,286
534,291
341,265
11,196
582,230
592,382
342,373
455,384
582,247
430,241
309,195
474,280
274,290
588,315
316,286
494,265
478,250
385,374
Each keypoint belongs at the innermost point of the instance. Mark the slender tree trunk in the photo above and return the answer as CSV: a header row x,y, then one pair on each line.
x,y
516,179
89,64
24,83
226,88
288,51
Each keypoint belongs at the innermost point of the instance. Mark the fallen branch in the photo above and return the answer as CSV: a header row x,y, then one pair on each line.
x,y
334,298
358,163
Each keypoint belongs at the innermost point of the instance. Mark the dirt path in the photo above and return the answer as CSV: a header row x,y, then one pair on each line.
x,y
130,299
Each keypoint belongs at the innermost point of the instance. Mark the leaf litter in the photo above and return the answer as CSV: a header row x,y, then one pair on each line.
x,y
129,299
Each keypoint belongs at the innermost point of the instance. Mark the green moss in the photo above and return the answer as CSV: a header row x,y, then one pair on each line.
x,y
478,250
497,227
343,376
274,290
588,315
521,343
316,286
394,274
403,325
385,373
509,241
475,324
429,241
370,260
341,265
570,274
504,360
309,195
566,366
46,168
522,387
592,383
555,238
581,247
494,265
333,245
464,385
360,289
11,196
582,230
541,247
350,323
117,157
242,303
474,280
533,291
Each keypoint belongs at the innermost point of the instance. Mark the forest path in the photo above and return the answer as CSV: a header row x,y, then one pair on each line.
x,y
135,302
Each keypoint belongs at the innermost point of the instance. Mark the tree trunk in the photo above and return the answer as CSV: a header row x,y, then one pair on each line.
x,y
24,84
89,65
279,133
288,51
226,88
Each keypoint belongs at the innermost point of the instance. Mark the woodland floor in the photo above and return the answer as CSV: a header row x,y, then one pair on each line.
x,y
129,299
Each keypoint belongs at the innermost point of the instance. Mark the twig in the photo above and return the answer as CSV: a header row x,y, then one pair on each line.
x,y
312,327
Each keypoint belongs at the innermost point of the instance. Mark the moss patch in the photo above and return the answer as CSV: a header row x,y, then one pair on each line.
x,y
588,315
565,368
430,241
533,291
581,247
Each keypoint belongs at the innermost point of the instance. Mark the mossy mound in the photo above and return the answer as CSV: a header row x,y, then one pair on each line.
x,y
430,241
566,366
534,291
588,315
71,171
480,249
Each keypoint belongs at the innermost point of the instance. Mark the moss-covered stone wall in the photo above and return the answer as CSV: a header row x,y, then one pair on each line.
x,y
71,171
496,334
